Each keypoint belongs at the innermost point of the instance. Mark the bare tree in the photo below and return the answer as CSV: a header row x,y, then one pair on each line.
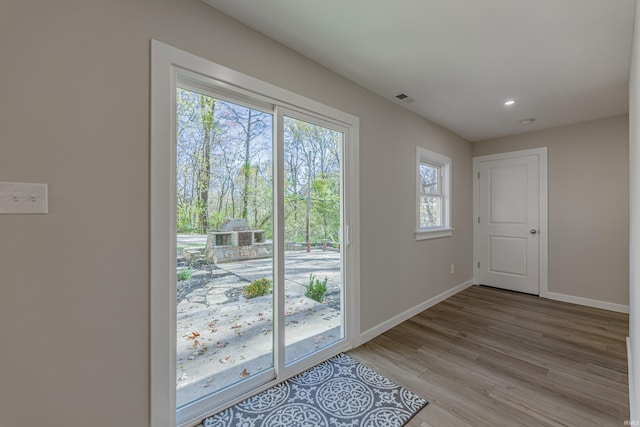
x,y
207,109
251,124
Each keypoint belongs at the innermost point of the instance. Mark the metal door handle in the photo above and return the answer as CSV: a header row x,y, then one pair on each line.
x,y
533,231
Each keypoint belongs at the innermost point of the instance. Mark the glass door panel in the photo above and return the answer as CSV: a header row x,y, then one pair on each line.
x,y
224,244
313,279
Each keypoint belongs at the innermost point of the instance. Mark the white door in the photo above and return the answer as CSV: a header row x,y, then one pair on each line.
x,y
508,223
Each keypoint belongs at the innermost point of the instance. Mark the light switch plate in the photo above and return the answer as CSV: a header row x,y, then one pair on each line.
x,y
23,198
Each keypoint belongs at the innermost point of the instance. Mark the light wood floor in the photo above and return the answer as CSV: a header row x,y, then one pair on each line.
x,y
487,357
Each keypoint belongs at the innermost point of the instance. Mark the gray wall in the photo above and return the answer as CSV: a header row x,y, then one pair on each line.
x,y
588,205
634,232
74,288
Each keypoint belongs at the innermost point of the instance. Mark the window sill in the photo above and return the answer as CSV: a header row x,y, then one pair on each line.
x,y
435,233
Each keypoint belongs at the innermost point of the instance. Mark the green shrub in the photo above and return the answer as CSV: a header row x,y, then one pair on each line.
x,y
257,288
317,288
185,274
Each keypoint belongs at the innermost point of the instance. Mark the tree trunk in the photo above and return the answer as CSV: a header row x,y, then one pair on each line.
x,y
207,107
255,197
308,221
247,169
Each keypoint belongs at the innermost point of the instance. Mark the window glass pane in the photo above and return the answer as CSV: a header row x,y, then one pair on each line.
x,y
312,222
429,179
224,244
430,211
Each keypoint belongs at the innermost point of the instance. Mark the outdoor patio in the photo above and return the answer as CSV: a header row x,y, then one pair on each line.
x,y
223,337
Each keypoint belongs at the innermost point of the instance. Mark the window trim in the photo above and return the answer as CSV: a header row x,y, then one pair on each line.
x,y
168,65
424,156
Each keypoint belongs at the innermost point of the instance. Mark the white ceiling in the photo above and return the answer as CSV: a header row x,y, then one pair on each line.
x,y
562,61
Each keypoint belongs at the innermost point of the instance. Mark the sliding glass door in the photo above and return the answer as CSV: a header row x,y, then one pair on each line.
x,y
259,246
254,235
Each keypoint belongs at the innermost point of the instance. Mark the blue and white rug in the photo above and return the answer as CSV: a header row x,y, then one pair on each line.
x,y
340,392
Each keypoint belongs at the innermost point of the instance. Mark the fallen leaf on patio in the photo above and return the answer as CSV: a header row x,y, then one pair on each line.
x,y
193,335
196,343
236,326
221,344
244,373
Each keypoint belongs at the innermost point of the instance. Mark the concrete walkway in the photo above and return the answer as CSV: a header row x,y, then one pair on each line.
x,y
223,338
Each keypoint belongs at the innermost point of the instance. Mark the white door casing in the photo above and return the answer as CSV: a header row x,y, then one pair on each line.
x,y
510,218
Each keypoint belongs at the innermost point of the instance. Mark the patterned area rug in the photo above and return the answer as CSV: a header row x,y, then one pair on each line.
x,y
340,392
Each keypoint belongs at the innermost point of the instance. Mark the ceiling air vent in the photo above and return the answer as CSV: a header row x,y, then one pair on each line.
x,y
405,98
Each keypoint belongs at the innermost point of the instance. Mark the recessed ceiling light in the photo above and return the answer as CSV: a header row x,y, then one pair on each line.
x,y
509,102
525,122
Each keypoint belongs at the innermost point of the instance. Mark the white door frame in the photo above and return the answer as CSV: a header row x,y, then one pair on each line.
x,y
543,236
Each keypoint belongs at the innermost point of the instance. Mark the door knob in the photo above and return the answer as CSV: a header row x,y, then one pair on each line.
x,y
533,231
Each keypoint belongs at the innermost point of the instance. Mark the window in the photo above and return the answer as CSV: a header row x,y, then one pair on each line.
x,y
433,195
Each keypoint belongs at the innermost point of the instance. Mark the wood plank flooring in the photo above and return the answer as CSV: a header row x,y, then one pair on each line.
x,y
488,357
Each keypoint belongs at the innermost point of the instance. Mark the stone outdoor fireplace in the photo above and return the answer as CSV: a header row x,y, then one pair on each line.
x,y
235,240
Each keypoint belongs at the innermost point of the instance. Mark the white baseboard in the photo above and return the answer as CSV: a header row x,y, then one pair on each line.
x,y
396,320
620,308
